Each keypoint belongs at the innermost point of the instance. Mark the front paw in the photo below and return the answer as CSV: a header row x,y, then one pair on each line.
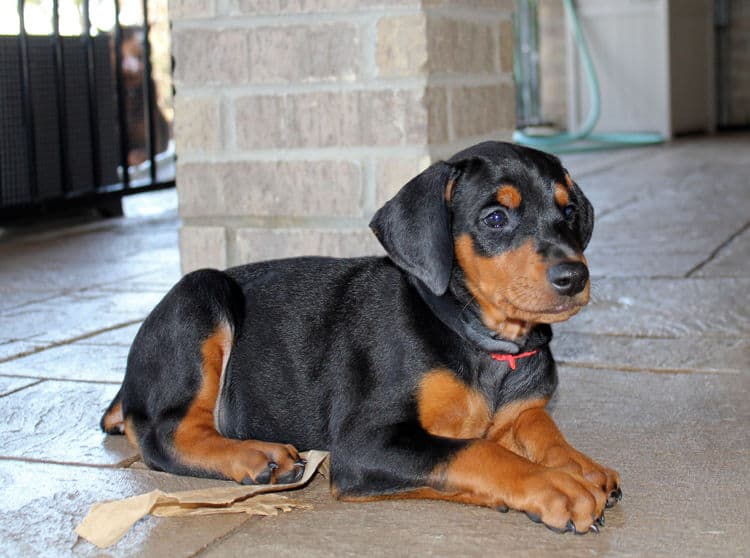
x,y
563,502
574,462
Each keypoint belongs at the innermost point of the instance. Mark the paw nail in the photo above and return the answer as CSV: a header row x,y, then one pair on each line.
x,y
264,477
273,465
503,509
600,521
533,517
570,526
594,529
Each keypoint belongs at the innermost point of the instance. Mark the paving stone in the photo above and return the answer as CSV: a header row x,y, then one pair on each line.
x,y
732,261
666,308
730,355
92,363
666,230
77,257
43,503
59,422
69,316
12,348
683,485
122,336
9,385
12,296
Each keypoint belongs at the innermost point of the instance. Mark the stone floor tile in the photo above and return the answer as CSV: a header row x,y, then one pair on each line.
x,y
59,422
9,385
11,348
43,503
733,260
666,231
666,308
13,296
70,316
122,336
679,442
91,363
73,258
730,355
583,164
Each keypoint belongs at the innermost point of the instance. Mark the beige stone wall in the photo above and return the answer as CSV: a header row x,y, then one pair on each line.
x,y
296,119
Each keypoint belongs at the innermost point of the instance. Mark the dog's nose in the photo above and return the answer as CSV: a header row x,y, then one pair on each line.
x,y
568,278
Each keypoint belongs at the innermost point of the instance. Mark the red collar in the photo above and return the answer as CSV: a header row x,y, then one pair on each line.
x,y
511,359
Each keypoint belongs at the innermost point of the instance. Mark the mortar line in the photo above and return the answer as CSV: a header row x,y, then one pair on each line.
x,y
75,290
717,250
71,380
114,466
223,537
11,392
616,208
625,368
646,336
72,340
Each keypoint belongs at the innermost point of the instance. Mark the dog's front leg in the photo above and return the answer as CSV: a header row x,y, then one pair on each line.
x,y
535,435
477,471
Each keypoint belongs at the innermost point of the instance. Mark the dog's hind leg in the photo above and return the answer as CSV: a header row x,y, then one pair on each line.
x,y
169,396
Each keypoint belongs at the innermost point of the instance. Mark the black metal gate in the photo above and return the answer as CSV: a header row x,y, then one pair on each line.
x,y
79,120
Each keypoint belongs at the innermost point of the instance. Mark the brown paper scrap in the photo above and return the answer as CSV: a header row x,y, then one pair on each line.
x,y
107,522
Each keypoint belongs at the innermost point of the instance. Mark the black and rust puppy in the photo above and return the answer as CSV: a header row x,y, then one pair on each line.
x,y
425,373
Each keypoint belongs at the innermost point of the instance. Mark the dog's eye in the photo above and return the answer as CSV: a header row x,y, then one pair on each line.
x,y
569,211
496,219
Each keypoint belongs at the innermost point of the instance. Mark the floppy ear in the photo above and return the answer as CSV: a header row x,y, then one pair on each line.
x,y
585,217
414,228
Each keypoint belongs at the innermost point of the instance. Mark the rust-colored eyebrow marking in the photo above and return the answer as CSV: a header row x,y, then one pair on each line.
x,y
509,196
562,195
568,181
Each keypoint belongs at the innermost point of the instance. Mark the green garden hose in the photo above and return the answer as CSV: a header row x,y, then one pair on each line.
x,y
584,139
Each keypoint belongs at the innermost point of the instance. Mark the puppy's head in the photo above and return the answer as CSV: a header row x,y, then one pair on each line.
x,y
499,222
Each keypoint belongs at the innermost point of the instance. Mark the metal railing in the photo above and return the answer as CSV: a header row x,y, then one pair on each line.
x,y
79,120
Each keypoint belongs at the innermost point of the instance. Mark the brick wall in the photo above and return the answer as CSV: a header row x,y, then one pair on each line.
x,y
296,119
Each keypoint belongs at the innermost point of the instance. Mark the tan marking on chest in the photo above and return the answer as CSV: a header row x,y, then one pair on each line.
x,y
448,407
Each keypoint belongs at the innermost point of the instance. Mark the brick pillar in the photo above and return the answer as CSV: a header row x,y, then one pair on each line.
x,y
296,119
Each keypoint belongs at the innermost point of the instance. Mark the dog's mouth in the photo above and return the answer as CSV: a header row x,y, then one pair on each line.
x,y
512,318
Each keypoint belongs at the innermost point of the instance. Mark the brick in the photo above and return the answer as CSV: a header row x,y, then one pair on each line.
x,y
202,246
270,188
309,6
459,46
481,110
415,45
304,53
392,173
191,9
401,48
435,101
331,119
506,46
204,57
262,244
196,124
